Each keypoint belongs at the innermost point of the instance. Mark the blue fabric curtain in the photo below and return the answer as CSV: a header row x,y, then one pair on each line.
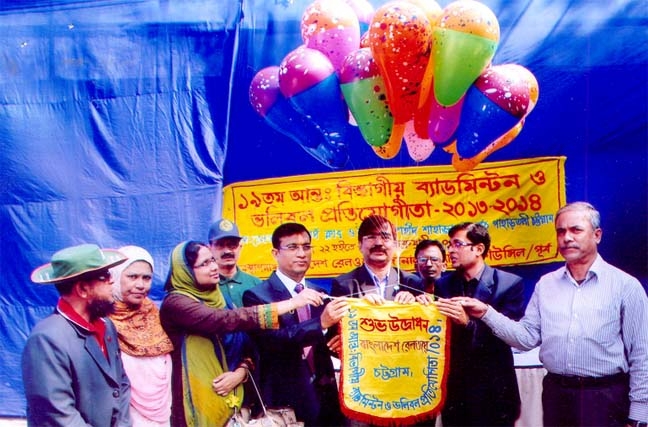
x,y
120,121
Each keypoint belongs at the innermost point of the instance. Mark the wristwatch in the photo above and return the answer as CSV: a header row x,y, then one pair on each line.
x,y
635,423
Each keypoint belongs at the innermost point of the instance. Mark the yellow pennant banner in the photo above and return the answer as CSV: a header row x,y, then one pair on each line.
x,y
394,362
515,199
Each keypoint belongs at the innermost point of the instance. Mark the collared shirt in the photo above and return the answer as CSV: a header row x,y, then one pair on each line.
x,y
381,284
97,328
594,329
234,287
290,283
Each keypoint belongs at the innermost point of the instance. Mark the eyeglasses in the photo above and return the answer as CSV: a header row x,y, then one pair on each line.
x,y
206,263
293,247
426,259
370,238
458,244
102,276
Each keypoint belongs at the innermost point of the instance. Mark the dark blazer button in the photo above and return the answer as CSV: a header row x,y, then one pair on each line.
x,y
115,393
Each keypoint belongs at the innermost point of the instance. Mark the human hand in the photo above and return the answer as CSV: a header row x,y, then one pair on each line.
x,y
453,310
374,299
473,307
335,344
425,299
227,381
404,297
308,297
334,312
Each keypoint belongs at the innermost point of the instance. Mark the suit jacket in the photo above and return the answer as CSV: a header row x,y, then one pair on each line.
x,y
68,380
482,386
359,282
285,377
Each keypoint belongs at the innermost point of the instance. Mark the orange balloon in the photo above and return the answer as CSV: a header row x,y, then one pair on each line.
x,y
464,165
433,12
400,37
392,147
430,7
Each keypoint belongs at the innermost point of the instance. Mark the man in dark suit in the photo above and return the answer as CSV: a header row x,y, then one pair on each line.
x,y
295,365
482,387
430,256
377,242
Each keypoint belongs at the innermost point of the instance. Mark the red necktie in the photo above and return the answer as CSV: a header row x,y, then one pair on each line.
x,y
303,313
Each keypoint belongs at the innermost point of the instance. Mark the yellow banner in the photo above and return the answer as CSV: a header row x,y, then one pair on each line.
x,y
516,200
393,367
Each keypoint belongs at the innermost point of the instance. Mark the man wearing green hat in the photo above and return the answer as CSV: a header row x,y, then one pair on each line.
x,y
72,370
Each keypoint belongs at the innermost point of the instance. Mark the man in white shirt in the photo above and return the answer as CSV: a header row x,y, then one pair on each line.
x,y
377,242
295,363
589,319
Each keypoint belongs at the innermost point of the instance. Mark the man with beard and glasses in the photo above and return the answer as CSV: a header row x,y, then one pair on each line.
x,y
590,320
72,369
225,244
377,243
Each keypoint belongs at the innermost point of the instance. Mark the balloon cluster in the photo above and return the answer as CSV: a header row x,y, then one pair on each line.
x,y
419,73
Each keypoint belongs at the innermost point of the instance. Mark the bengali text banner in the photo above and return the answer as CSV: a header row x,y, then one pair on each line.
x,y
393,366
516,200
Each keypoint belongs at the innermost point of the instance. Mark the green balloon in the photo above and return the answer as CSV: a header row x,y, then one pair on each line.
x,y
459,58
367,100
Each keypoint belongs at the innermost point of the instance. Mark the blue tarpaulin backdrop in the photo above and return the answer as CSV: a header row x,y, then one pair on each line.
x,y
120,121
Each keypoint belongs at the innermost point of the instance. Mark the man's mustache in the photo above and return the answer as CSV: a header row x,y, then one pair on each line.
x,y
377,249
227,255
570,247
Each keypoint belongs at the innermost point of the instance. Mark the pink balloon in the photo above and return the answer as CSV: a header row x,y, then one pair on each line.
x,y
511,86
331,27
418,148
264,90
278,112
363,10
309,82
301,69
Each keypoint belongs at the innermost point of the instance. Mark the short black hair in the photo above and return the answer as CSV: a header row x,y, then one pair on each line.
x,y
426,243
373,224
475,232
288,229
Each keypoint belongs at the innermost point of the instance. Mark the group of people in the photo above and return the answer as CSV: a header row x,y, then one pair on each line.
x,y
108,356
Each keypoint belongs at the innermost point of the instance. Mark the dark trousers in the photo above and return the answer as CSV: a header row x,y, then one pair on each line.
x,y
577,401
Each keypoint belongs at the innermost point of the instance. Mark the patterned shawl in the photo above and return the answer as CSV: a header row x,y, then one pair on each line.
x,y
138,328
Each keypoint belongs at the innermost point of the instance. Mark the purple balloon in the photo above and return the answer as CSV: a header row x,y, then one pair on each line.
x,y
268,101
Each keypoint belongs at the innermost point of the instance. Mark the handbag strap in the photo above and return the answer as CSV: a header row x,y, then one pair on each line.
x,y
251,378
